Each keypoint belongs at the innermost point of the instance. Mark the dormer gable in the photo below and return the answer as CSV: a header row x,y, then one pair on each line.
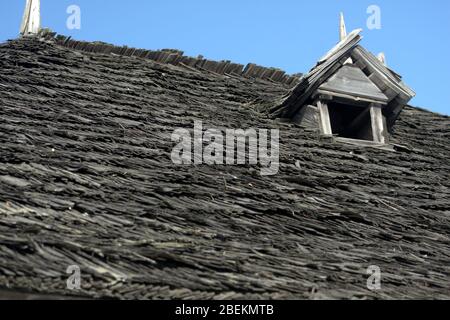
x,y
350,93
350,81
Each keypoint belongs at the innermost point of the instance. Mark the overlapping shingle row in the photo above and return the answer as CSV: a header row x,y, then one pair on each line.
x,y
86,179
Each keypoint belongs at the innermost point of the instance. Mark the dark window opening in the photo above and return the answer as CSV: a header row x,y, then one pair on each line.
x,y
366,71
350,121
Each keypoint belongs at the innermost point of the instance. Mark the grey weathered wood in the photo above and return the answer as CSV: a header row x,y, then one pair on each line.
x,y
376,118
350,80
31,21
177,58
325,123
309,117
324,69
384,74
346,98
373,83
83,183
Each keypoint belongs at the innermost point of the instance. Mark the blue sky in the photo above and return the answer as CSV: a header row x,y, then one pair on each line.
x,y
289,34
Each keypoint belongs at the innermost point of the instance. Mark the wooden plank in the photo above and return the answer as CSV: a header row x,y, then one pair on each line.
x,y
350,80
31,21
308,117
348,99
325,124
378,130
381,71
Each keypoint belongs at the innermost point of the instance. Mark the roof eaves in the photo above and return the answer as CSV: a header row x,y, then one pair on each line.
x,y
177,58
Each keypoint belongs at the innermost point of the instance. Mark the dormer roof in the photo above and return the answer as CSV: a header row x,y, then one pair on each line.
x,y
329,70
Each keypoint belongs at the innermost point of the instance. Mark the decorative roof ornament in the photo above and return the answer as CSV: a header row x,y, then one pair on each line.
x,y
342,28
382,57
343,33
31,21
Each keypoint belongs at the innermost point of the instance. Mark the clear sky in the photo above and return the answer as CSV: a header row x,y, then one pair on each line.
x,y
289,34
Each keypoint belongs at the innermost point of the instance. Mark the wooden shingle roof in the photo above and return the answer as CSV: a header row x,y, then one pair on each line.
x,y
86,179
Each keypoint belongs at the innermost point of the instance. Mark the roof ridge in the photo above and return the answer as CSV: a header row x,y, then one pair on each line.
x,y
177,58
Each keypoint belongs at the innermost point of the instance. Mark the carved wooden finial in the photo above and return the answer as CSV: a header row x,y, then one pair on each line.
x,y
343,34
342,28
31,22
382,57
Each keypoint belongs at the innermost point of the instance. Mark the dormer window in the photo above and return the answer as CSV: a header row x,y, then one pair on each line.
x,y
351,106
354,122
349,94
